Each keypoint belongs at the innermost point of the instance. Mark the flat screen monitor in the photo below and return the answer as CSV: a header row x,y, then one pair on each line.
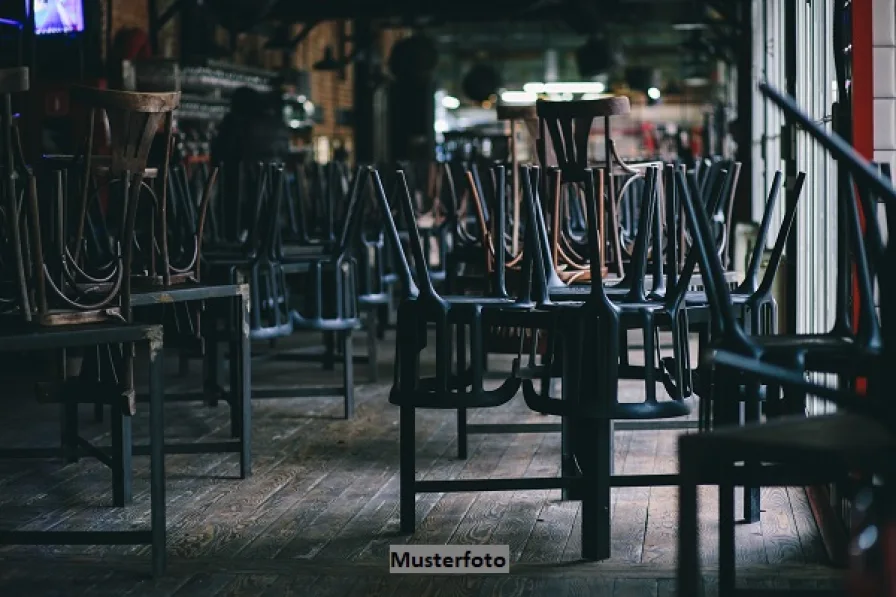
x,y
57,17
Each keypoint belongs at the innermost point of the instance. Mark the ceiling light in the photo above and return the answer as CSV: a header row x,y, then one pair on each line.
x,y
572,87
519,97
653,93
449,102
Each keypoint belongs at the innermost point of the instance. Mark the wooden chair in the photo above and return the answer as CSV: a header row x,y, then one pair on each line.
x,y
134,119
514,115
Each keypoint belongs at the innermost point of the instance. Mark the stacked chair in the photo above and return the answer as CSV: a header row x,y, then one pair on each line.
x,y
858,442
313,255
71,263
566,320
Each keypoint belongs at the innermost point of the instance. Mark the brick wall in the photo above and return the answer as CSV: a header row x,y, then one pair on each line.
x,y
884,41
330,91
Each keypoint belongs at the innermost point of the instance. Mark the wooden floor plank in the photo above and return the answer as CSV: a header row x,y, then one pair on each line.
x,y
324,496
247,585
442,521
810,538
593,586
630,515
507,586
444,468
519,517
778,528
383,505
458,586
661,534
204,585
480,522
290,586
634,587
540,515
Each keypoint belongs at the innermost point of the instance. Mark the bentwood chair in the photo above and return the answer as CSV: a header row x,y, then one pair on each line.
x,y
13,267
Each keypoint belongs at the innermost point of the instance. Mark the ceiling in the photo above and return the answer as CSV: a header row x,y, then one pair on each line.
x,y
580,15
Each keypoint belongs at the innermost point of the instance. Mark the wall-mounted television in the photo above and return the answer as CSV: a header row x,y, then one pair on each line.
x,y
57,17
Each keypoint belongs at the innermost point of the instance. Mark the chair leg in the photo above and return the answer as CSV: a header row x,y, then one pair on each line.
x,y
462,438
122,450
752,410
329,360
726,537
649,358
373,360
407,474
688,529
348,374
595,489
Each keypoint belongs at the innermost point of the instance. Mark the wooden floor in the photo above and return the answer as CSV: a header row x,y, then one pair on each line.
x,y
319,513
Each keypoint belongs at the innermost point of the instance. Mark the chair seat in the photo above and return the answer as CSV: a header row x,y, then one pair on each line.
x,y
303,251
843,438
815,347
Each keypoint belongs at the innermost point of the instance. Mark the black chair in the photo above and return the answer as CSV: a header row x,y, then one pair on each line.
x,y
422,306
242,245
804,451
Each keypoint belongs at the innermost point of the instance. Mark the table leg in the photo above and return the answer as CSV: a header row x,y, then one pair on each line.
x,y
242,383
688,532
348,373
373,363
462,437
122,453
211,363
157,456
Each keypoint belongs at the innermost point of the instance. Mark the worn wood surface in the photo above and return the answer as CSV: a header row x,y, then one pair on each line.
x,y
321,509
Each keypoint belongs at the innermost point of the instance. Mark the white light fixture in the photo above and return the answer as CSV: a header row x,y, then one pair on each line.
x,y
577,87
518,97
653,93
449,102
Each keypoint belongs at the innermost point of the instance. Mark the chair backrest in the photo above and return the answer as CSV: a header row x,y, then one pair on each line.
x,y
751,278
638,266
567,126
408,285
774,260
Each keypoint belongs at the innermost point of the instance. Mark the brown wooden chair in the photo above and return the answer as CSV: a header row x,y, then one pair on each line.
x,y
516,114
134,121
564,129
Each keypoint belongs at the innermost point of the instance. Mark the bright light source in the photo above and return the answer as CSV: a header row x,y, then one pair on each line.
x,y
440,126
449,102
294,124
580,87
518,97
653,93
689,26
